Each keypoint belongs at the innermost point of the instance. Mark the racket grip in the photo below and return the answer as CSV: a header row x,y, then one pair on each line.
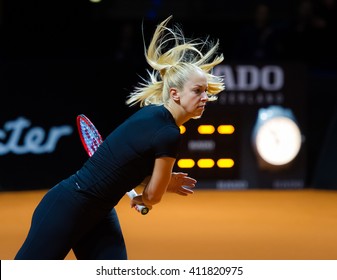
x,y
141,208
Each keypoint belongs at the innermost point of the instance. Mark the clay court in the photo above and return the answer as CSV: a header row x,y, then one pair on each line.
x,y
219,225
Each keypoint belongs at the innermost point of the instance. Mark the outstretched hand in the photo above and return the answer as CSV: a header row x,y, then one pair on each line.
x,y
181,184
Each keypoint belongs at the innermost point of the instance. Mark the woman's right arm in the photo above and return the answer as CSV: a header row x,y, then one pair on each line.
x,y
157,184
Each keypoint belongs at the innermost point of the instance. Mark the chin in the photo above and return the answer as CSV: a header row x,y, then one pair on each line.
x,y
197,117
197,114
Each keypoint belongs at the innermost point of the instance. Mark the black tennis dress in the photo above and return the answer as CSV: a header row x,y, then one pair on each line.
x,y
78,213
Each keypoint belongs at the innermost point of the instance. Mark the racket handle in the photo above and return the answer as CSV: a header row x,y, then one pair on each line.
x,y
141,208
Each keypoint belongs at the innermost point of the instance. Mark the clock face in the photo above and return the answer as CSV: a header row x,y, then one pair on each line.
x,y
278,140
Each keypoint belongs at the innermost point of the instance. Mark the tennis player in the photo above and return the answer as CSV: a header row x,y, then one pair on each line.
x,y
78,213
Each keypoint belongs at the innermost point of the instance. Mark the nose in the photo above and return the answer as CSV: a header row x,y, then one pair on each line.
x,y
204,96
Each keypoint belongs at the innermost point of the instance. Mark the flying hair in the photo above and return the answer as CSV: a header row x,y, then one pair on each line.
x,y
173,58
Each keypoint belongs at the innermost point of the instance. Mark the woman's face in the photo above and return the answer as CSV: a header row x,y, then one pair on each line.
x,y
193,97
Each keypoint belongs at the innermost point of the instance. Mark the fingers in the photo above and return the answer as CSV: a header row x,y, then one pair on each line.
x,y
184,191
184,180
188,183
182,184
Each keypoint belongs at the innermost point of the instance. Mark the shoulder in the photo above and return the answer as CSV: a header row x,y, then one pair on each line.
x,y
156,112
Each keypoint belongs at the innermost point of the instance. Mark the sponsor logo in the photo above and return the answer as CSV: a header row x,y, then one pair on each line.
x,y
251,85
20,137
251,77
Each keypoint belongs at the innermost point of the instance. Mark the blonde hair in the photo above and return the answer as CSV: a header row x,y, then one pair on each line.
x,y
173,58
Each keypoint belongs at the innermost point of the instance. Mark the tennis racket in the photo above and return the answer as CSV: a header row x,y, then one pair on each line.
x,y
91,139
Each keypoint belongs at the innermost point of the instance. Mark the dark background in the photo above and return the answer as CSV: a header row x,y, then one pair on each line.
x,y
62,58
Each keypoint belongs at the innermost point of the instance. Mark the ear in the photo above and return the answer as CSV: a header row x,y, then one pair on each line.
x,y
174,94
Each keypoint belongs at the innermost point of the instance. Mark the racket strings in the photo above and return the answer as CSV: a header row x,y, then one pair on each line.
x,y
91,137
